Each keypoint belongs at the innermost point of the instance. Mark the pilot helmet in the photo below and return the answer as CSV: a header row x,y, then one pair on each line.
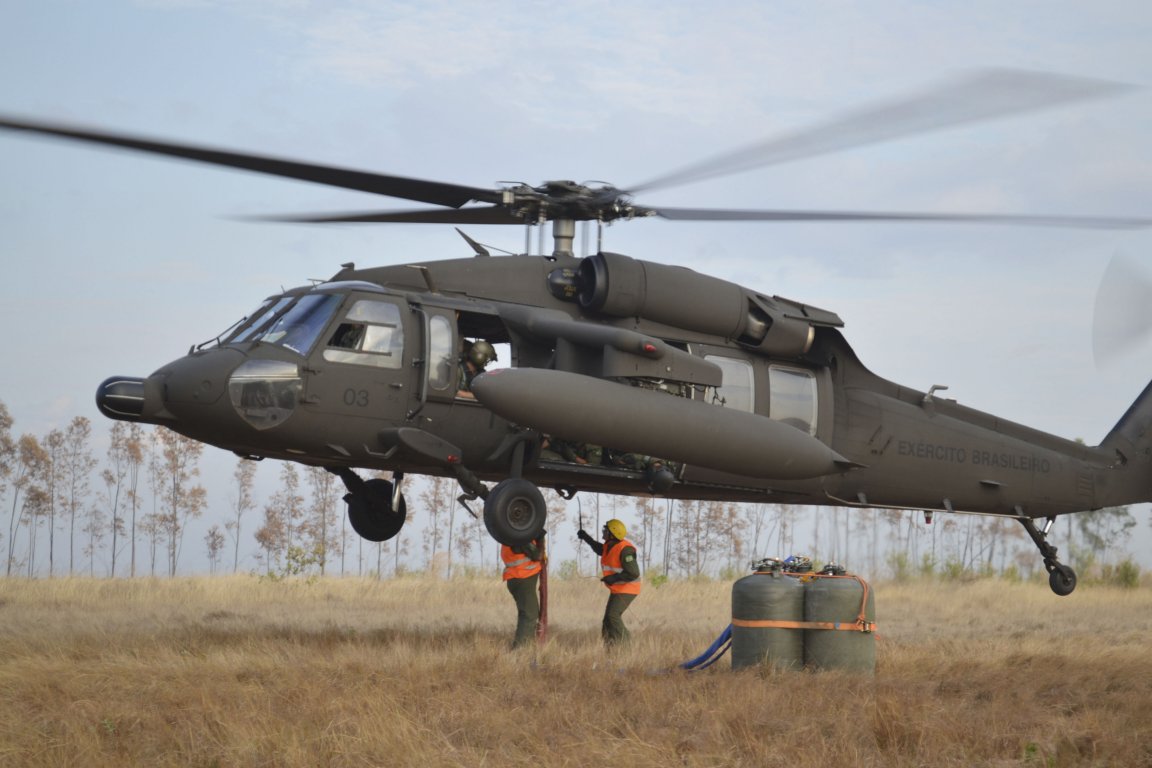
x,y
481,353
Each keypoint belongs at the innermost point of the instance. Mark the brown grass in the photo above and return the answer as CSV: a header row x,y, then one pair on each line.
x,y
414,672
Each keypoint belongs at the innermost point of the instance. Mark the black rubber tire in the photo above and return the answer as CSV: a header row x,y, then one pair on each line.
x,y
1062,579
515,512
370,511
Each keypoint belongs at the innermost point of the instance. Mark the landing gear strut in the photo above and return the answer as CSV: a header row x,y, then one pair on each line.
x,y
376,508
1061,578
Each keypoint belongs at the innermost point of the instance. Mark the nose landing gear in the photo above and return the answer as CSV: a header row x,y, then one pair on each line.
x,y
1061,578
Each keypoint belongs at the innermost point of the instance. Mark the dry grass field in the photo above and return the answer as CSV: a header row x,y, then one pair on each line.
x,y
416,672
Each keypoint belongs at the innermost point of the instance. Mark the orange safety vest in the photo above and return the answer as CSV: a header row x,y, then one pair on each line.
x,y
610,564
517,565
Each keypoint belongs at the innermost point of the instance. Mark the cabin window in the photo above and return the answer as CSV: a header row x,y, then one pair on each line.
x,y
736,389
441,360
371,334
793,397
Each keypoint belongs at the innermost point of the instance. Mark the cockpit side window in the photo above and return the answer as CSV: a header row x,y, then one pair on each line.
x,y
372,333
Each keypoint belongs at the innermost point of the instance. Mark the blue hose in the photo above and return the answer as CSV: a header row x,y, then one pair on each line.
x,y
714,652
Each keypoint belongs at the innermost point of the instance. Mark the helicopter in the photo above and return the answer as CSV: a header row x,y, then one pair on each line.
x,y
627,376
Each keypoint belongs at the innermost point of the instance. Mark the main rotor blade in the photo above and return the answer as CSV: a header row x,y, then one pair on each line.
x,y
433,192
1026,220
986,95
430,216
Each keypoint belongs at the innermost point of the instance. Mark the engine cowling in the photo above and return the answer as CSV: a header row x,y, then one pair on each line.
x,y
619,286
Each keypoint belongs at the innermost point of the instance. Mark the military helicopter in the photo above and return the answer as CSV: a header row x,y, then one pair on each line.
x,y
676,383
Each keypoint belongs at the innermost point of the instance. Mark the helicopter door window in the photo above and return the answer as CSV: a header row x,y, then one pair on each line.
x,y
441,357
793,397
370,334
735,390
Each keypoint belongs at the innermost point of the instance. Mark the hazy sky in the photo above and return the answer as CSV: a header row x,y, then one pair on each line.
x,y
116,263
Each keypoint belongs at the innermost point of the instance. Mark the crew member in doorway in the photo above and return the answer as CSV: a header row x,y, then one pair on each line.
x,y
473,360
621,574
522,566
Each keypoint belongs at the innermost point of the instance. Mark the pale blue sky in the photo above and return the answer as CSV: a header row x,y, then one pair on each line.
x,y
116,263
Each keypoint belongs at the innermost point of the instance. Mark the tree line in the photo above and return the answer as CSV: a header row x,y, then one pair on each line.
x,y
128,511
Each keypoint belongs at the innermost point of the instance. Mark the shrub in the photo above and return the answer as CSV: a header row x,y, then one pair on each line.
x,y
901,566
1125,574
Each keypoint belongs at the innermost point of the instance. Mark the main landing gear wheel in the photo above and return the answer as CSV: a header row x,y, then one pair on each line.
x,y
515,512
370,510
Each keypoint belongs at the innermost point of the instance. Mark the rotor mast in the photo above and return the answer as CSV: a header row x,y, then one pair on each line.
x,y
563,235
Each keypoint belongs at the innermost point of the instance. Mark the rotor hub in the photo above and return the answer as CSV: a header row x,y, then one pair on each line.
x,y
569,200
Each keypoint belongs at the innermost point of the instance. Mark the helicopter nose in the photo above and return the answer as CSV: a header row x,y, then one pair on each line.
x,y
178,392
121,397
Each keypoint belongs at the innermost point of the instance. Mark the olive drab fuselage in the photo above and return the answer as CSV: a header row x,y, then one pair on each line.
x,y
291,392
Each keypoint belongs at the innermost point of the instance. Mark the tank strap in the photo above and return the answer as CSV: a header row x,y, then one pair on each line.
x,y
856,626
861,618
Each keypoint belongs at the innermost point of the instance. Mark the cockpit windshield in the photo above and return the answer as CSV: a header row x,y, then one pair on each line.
x,y
299,327
242,329
255,322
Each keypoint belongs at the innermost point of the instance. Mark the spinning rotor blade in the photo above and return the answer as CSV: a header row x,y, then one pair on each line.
x,y
984,96
429,216
1076,222
1122,320
433,192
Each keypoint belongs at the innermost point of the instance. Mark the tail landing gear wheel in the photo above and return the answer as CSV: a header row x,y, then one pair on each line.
x,y
1062,579
370,511
514,512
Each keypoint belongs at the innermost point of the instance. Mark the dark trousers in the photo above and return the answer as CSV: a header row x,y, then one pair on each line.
x,y
524,592
612,629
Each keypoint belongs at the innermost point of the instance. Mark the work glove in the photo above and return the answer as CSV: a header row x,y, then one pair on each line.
x,y
583,536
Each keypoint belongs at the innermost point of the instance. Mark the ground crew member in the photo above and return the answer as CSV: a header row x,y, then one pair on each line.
x,y
621,574
522,566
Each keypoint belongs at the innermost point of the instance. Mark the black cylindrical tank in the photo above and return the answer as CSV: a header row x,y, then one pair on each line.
x,y
758,601
839,602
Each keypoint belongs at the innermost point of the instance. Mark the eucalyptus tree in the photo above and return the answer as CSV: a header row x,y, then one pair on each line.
x,y
182,499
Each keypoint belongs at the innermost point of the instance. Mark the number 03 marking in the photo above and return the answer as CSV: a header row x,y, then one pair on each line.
x,y
356,397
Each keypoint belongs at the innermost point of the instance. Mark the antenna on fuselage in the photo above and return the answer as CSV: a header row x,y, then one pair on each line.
x,y
479,249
